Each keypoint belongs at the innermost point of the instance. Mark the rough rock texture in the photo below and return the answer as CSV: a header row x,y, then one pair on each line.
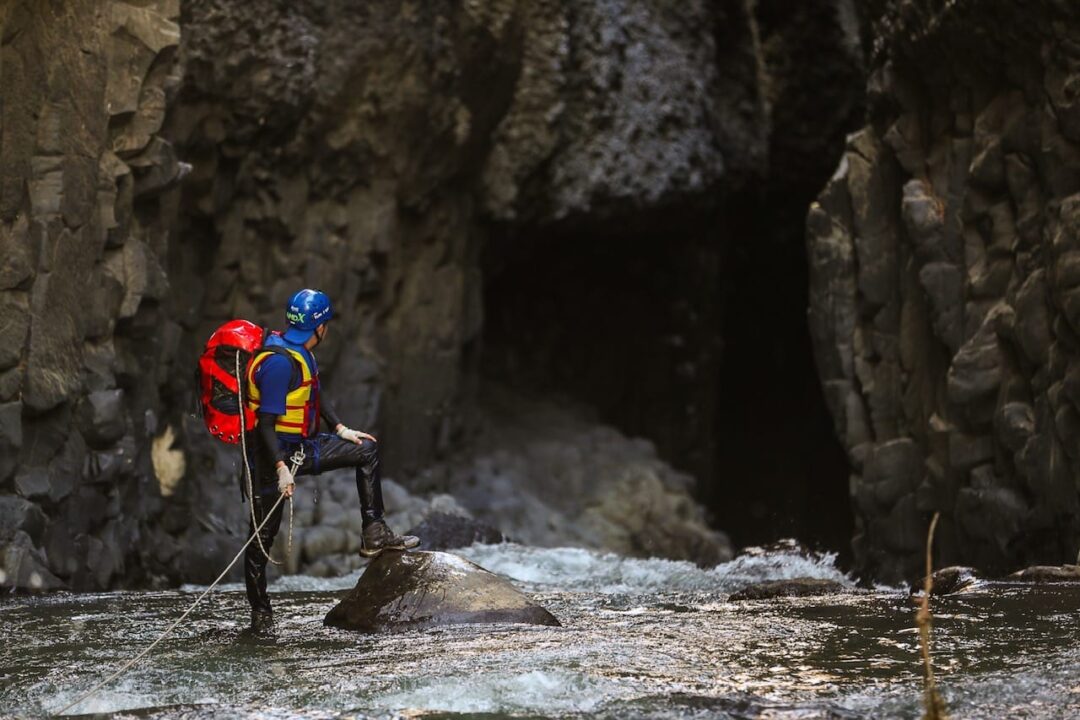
x,y
359,147
943,287
84,86
621,102
411,590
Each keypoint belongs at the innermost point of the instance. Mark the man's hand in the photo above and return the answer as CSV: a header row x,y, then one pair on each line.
x,y
285,481
353,436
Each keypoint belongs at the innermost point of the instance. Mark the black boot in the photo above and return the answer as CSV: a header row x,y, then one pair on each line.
x,y
255,564
262,622
379,537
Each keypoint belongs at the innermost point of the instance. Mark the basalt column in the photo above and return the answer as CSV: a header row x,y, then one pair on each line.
x,y
944,284
84,87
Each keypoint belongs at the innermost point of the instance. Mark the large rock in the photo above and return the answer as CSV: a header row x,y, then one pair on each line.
x,y
18,514
21,566
407,591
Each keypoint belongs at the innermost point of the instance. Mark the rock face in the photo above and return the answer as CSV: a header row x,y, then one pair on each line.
x,y
943,257
414,590
82,166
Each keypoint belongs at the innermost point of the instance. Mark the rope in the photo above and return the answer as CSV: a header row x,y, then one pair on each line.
x,y
288,548
297,459
247,466
172,627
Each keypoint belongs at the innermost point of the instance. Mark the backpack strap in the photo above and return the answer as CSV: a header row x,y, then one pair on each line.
x,y
297,373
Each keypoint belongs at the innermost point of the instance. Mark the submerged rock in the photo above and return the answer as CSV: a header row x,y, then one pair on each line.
x,y
405,591
1048,574
958,578
795,587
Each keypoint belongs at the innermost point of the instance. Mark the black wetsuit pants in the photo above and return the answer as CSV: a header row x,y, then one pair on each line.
x,y
323,452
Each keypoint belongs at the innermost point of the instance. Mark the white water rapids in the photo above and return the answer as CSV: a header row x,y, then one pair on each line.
x,y
640,638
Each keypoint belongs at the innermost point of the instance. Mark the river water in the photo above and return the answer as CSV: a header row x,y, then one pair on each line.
x,y
640,638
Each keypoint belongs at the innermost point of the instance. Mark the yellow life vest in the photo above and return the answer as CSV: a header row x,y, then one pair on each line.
x,y
301,403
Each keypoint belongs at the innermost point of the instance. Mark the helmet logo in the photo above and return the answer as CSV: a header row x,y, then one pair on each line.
x,y
307,309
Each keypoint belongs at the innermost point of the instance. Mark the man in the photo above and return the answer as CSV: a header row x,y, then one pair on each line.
x,y
283,389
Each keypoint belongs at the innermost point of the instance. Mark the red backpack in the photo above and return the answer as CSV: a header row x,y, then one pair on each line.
x,y
227,354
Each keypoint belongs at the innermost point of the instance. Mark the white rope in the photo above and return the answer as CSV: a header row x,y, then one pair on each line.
x,y
247,467
288,548
298,460
172,627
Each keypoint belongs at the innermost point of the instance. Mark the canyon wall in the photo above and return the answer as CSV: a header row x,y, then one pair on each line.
x,y
84,87
944,280
167,165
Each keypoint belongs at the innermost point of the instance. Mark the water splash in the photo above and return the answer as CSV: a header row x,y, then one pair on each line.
x,y
548,692
641,638
580,570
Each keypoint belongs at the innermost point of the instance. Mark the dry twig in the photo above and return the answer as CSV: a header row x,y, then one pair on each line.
x,y
935,706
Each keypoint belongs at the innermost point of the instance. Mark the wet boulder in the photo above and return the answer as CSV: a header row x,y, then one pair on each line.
x,y
410,590
949,580
1048,574
794,587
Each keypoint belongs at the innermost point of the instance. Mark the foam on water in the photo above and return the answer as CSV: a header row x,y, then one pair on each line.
x,y
580,570
576,569
647,654
537,691
123,696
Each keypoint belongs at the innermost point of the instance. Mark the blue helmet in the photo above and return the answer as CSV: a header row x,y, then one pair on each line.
x,y
307,310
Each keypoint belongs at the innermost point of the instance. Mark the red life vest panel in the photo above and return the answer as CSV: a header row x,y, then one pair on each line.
x,y
227,354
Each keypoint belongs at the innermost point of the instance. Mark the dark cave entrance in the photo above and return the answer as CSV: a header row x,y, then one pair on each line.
x,y
618,315
675,327
781,470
